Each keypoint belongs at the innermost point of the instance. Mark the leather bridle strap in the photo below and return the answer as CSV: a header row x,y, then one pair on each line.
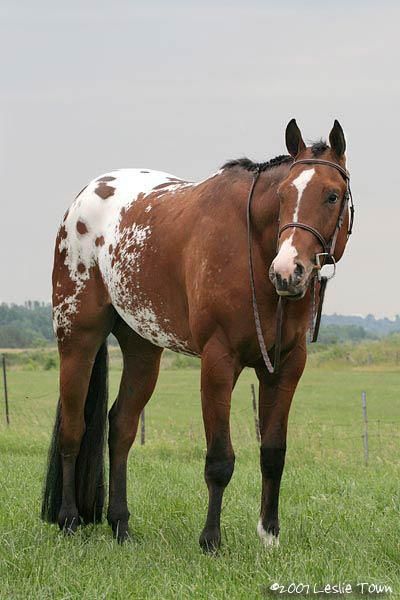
x,y
279,313
312,230
320,161
315,324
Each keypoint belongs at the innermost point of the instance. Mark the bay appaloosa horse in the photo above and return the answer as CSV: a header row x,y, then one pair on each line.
x,y
164,263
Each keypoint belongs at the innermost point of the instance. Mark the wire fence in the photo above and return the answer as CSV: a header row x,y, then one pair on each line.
x,y
363,438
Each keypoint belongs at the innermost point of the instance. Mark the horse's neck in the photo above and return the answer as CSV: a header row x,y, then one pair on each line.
x,y
265,211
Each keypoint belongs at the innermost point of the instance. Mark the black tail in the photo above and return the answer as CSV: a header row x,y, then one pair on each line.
x,y
89,474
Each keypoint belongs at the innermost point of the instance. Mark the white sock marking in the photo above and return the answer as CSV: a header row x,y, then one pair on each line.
x,y
267,539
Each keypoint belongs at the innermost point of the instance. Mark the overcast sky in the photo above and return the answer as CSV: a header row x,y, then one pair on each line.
x,y
87,87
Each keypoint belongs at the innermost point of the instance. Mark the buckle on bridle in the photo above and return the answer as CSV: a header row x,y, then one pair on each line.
x,y
326,256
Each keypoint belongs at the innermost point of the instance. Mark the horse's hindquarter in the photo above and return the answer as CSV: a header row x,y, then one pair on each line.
x,y
118,230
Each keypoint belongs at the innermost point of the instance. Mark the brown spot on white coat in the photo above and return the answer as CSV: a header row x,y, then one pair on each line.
x,y
106,178
81,227
104,191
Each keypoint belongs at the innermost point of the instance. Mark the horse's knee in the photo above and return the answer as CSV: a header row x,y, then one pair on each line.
x,y
272,461
218,471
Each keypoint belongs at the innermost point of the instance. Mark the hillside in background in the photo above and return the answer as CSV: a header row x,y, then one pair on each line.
x,y
30,326
372,325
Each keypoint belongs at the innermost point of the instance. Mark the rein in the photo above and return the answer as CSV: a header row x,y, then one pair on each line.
x,y
279,312
327,254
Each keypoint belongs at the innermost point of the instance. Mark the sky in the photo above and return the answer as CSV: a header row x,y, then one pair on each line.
x,y
87,87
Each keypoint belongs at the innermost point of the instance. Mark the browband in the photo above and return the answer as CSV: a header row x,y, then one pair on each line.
x,y
320,161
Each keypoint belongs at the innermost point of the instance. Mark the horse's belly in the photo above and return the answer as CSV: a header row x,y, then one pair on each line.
x,y
144,321
148,314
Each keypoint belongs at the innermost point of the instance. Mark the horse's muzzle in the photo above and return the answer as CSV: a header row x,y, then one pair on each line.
x,y
292,286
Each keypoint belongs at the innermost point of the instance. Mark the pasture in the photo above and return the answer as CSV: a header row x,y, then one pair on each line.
x,y
339,519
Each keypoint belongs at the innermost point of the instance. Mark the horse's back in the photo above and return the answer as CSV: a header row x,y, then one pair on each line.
x,y
94,217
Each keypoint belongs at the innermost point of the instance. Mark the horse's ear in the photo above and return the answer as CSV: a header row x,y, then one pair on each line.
x,y
337,139
294,141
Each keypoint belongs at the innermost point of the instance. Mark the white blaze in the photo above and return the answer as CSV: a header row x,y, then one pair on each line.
x,y
300,183
284,262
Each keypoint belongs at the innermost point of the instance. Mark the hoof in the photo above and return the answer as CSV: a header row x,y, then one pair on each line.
x,y
120,531
118,521
68,524
210,541
269,537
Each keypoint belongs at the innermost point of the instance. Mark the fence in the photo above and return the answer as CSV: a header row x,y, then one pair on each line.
x,y
379,430
363,437
7,408
5,387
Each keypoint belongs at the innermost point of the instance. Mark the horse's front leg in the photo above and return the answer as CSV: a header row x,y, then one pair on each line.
x,y
218,375
275,397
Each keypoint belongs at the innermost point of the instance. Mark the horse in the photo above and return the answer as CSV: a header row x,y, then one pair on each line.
x,y
162,262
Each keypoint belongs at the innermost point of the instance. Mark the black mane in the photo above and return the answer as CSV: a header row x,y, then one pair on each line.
x,y
249,165
317,149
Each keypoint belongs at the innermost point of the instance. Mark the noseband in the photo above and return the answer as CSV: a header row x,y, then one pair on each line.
x,y
327,254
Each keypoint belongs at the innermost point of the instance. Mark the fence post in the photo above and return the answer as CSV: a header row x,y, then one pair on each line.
x,y
142,428
256,423
365,435
5,388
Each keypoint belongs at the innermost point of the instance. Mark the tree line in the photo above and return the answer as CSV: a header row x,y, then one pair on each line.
x,y
30,326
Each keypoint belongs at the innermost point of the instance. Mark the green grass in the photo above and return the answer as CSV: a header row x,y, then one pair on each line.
x,y
340,520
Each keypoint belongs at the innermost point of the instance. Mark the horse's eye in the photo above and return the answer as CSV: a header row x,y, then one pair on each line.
x,y
333,197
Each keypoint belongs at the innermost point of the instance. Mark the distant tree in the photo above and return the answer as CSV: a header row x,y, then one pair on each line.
x,y
25,326
30,324
333,334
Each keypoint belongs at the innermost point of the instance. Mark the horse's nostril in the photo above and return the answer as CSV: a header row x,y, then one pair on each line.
x,y
282,283
299,271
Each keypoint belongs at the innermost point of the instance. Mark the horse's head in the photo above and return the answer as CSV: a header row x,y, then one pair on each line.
x,y
314,219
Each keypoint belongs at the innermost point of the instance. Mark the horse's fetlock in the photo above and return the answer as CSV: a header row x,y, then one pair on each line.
x,y
114,515
210,540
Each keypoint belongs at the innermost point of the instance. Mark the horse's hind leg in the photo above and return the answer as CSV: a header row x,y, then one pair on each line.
x,y
79,353
139,377
75,373
75,459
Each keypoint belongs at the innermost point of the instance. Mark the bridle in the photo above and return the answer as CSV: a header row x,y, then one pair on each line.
x,y
327,256
328,247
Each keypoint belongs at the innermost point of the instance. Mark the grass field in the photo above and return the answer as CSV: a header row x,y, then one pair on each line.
x,y
340,520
